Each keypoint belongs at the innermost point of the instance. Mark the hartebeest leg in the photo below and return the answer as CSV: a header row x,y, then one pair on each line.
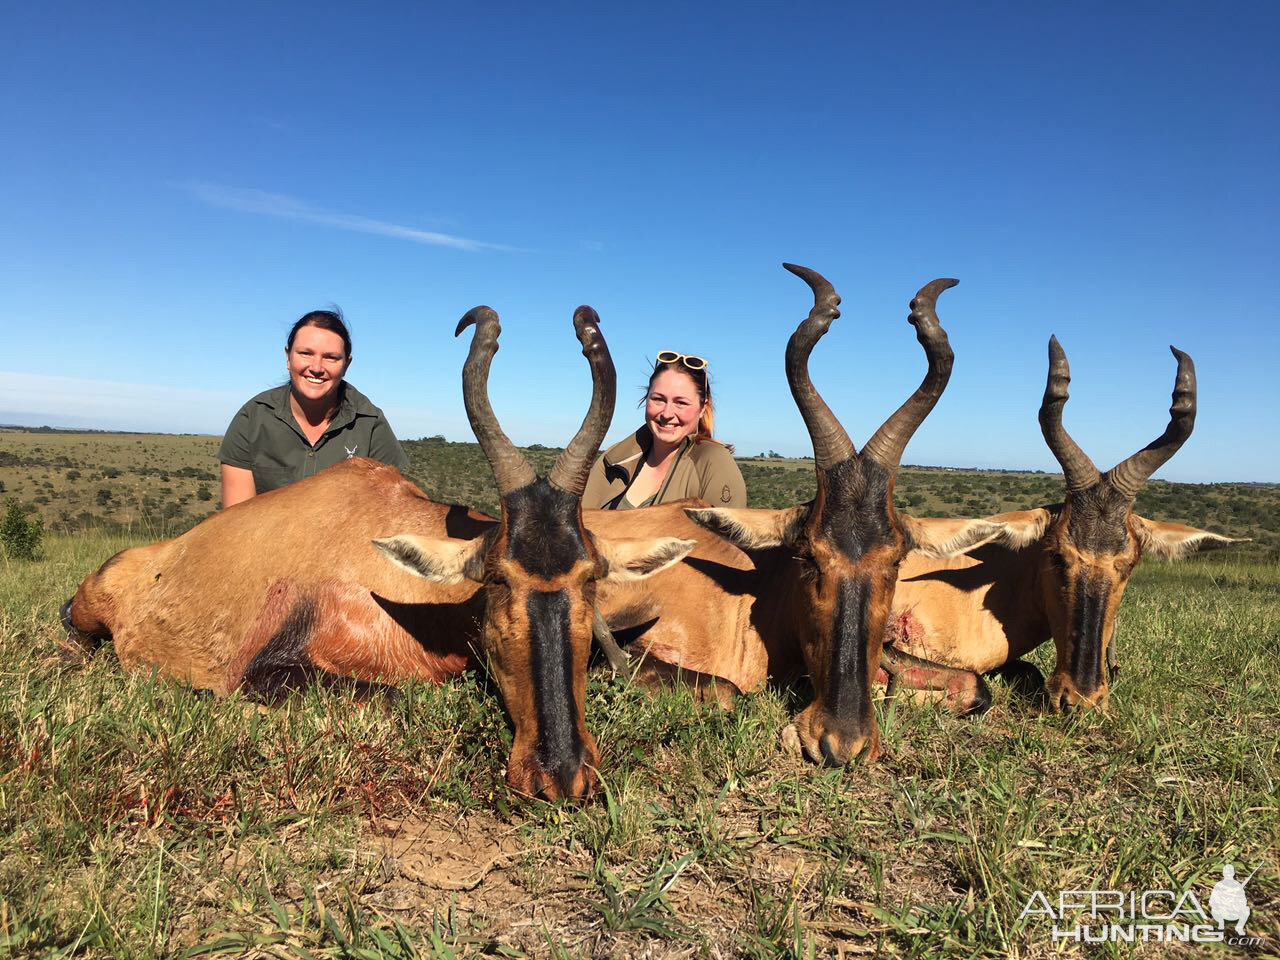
x,y
963,690
654,673
617,658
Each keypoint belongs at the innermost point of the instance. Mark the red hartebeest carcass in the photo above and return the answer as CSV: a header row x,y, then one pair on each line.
x,y
812,585
1057,571
290,583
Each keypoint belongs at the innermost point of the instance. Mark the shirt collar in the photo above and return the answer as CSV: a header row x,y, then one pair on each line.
x,y
627,455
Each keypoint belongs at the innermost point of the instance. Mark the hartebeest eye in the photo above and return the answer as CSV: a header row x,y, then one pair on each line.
x,y
807,565
1124,566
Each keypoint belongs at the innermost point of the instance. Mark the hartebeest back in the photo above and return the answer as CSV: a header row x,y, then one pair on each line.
x,y
1058,571
288,583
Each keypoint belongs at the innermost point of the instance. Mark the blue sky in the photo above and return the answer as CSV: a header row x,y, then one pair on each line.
x,y
178,185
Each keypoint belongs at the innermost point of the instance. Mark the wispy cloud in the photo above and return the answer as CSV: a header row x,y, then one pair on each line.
x,y
246,200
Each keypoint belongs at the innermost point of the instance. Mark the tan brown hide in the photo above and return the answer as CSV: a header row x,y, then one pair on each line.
x,y
709,615
726,617
200,607
1056,572
986,609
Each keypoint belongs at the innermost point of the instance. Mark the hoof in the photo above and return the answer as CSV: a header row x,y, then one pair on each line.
x,y
981,701
73,644
791,741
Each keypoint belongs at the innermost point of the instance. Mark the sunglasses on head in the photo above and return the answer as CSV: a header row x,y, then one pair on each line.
x,y
690,362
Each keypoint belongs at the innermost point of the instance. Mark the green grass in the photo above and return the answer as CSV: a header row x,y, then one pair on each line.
x,y
139,819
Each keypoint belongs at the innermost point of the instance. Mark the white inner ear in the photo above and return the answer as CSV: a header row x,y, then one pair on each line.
x,y
439,560
636,559
950,538
1174,540
750,529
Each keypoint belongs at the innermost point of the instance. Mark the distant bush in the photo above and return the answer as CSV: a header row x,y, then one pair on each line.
x,y
203,493
20,536
73,475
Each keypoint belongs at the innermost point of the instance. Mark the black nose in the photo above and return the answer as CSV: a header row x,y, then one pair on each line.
x,y
831,750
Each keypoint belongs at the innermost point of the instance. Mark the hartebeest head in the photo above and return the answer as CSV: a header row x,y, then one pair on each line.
x,y
845,545
539,567
1092,542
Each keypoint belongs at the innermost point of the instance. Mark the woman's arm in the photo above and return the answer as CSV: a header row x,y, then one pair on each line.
x,y
384,447
722,483
237,485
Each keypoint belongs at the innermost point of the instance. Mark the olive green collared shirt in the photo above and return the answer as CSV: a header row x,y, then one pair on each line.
x,y
704,470
264,437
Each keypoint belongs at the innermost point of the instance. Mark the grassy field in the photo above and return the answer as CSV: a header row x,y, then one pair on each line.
x,y
139,819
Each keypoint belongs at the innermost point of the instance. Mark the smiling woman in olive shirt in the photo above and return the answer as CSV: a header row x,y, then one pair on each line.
x,y
672,455
315,420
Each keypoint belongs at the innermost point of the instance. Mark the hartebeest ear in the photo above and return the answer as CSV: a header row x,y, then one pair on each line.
x,y
937,537
752,529
949,538
627,559
437,559
1174,540
1022,527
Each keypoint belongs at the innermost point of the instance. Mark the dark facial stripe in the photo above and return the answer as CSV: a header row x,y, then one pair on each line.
x,y
1088,617
847,681
551,663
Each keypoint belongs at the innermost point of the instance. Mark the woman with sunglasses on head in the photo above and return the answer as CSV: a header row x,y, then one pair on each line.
x,y
672,456
317,419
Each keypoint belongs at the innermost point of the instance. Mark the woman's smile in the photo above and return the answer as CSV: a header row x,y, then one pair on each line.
x,y
672,407
317,362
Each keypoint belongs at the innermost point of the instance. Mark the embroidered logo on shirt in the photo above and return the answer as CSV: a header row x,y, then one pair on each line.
x,y
726,494
351,452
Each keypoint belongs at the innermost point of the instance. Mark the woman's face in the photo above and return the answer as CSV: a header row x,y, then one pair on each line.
x,y
317,361
673,406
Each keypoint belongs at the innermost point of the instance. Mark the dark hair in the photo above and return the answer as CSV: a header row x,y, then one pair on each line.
x,y
702,381
330,320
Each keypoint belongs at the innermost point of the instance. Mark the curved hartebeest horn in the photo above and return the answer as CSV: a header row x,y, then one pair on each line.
x,y
571,470
891,439
831,445
1076,465
1129,475
511,470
